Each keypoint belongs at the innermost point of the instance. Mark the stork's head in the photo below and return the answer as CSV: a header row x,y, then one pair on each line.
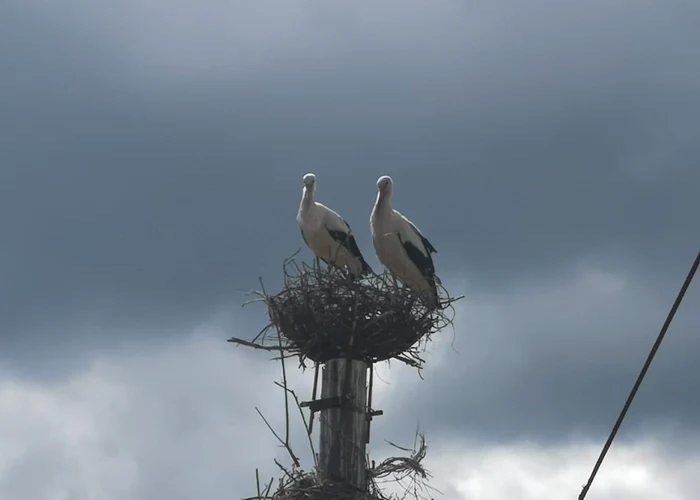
x,y
384,185
309,181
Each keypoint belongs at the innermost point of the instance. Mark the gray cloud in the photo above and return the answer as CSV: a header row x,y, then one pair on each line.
x,y
170,421
553,362
174,421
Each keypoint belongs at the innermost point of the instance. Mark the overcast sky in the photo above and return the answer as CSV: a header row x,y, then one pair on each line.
x,y
151,156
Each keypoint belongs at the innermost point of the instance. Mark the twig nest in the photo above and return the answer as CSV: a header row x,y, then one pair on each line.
x,y
310,487
322,314
408,472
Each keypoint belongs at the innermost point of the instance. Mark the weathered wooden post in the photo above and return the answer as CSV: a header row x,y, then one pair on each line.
x,y
343,422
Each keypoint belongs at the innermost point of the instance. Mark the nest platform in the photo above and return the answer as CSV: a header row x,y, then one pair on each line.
x,y
322,314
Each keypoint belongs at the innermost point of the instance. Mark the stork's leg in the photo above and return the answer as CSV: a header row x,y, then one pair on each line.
x,y
388,273
396,283
317,263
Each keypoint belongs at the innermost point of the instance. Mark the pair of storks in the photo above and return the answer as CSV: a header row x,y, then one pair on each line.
x,y
398,243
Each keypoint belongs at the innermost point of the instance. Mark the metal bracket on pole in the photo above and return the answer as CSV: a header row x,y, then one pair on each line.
x,y
370,412
322,404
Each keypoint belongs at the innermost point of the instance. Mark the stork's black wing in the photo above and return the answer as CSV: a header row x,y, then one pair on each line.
x,y
348,241
423,261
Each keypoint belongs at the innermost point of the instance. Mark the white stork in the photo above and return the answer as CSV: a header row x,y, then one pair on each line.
x,y
327,234
401,247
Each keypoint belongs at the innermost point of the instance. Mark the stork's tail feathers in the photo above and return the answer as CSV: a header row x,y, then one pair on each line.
x,y
365,270
436,305
435,296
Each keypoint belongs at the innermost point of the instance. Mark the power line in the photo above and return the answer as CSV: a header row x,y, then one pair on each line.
x,y
655,348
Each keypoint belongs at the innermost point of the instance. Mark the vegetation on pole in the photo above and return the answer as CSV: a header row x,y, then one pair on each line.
x,y
320,315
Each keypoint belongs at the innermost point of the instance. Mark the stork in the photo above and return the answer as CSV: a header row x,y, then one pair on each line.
x,y
327,234
401,247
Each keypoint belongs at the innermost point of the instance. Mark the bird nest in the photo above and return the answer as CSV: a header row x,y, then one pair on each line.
x,y
406,472
321,314
312,487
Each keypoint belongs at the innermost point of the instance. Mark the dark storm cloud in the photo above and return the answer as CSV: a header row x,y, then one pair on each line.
x,y
152,157
556,360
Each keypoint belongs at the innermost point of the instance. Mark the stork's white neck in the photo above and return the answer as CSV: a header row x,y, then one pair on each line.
x,y
307,198
383,201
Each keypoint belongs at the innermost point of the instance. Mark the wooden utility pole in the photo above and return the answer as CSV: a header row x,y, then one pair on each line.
x,y
344,422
